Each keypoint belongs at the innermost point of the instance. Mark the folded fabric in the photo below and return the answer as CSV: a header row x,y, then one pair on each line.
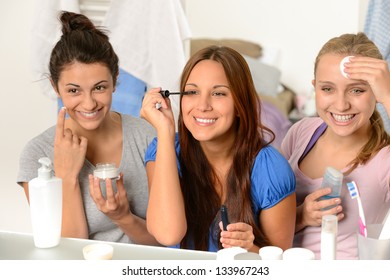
x,y
265,77
148,38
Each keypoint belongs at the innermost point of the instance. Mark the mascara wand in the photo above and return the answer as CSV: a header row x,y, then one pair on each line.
x,y
166,93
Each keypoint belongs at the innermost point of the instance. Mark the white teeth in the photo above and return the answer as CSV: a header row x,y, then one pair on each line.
x,y
205,120
89,115
342,118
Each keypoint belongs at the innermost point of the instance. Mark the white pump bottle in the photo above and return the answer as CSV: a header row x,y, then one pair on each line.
x,y
45,197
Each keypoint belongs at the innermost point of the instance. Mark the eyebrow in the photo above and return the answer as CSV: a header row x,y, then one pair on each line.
x,y
71,84
214,87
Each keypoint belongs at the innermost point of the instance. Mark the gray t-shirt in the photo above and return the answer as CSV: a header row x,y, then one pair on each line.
x,y
137,134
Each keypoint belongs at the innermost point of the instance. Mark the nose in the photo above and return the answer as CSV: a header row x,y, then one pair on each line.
x,y
89,102
204,102
342,102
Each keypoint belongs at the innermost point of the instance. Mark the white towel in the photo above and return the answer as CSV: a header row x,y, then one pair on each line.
x,y
148,37
45,32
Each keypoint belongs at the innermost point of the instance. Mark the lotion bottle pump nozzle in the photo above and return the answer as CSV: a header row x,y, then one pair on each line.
x,y
44,172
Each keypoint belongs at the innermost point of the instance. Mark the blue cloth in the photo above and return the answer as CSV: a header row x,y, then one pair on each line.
x,y
377,28
272,180
128,95
377,25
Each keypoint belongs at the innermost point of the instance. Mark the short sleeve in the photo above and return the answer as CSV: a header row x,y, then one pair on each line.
x,y
272,179
150,154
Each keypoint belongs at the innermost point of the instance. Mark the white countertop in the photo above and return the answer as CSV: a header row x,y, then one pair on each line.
x,y
20,246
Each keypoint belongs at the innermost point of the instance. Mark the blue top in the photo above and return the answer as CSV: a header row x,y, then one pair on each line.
x,y
272,180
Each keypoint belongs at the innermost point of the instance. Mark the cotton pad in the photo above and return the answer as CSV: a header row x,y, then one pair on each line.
x,y
342,67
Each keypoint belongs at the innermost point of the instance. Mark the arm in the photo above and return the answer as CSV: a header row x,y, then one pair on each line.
x,y
165,218
69,156
278,222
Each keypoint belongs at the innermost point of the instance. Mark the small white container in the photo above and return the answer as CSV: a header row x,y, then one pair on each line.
x,y
329,237
228,254
45,198
98,252
106,171
298,254
271,253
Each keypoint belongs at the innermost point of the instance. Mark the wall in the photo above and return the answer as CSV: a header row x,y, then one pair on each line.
x,y
298,28
24,110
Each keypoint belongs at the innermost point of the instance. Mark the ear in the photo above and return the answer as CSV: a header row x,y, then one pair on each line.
x,y
55,88
313,82
115,82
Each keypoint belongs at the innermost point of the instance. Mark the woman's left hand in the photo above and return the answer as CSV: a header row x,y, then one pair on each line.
x,y
237,235
114,205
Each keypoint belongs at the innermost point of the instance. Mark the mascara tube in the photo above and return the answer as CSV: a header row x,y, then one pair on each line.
x,y
224,216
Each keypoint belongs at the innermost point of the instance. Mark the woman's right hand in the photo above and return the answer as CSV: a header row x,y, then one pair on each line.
x,y
309,213
69,150
158,117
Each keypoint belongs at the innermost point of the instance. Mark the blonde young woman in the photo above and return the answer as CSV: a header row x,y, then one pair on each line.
x,y
219,156
349,135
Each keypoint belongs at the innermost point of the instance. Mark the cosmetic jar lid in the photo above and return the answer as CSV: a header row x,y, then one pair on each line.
x,y
106,171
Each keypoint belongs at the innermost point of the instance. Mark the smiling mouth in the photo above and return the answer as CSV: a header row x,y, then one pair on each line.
x,y
201,120
89,114
343,118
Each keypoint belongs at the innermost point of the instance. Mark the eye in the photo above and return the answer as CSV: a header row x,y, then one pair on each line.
x,y
73,91
218,93
357,91
100,88
190,92
326,89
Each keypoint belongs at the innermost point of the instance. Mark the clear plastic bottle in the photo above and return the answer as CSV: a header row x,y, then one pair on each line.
x,y
332,179
45,197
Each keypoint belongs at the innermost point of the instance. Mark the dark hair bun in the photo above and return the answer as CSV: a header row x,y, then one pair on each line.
x,y
71,21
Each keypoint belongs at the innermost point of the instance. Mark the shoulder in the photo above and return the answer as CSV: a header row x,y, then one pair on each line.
x,y
381,163
272,178
43,141
306,125
299,134
151,151
137,123
272,160
39,146
137,130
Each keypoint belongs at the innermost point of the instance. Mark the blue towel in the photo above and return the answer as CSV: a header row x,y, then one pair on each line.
x,y
377,28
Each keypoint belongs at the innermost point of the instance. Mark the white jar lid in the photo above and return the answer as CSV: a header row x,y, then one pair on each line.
x,y
106,170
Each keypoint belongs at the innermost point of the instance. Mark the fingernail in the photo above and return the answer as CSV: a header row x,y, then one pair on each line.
x,y
63,108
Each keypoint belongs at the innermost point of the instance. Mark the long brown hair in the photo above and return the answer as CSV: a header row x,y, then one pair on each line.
x,y
359,45
202,202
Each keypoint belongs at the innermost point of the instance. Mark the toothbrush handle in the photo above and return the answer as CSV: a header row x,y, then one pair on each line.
x,y
362,228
